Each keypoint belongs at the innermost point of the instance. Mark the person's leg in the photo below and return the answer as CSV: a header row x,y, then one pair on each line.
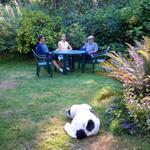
x,y
68,62
53,59
57,66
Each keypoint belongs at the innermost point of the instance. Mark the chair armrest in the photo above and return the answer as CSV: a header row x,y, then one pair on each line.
x,y
39,56
42,57
99,54
104,53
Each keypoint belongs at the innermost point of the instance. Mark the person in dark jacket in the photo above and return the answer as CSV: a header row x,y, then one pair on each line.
x,y
42,49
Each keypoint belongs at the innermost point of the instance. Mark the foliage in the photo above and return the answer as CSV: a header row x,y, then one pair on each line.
x,y
34,23
119,119
115,115
111,22
117,47
76,35
130,71
144,47
8,25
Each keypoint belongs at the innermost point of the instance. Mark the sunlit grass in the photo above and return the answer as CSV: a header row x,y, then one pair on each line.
x,y
32,109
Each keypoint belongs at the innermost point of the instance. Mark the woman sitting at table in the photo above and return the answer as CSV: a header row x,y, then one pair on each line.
x,y
64,45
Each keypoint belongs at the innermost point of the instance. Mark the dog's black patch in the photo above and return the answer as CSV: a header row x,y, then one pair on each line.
x,y
80,134
90,125
69,112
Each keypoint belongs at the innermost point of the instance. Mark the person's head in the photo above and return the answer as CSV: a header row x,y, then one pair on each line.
x,y
41,38
90,39
63,38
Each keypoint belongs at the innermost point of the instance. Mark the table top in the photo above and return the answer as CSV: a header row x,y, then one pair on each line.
x,y
69,52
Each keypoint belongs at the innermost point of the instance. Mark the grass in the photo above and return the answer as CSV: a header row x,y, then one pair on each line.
x,y
32,110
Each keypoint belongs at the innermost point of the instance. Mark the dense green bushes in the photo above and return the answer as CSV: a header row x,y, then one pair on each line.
x,y
76,35
8,25
34,23
111,22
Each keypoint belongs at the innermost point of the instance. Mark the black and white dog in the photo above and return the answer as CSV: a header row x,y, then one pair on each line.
x,y
84,121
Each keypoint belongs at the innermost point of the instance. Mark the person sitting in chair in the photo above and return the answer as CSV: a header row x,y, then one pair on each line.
x,y
90,47
42,49
64,45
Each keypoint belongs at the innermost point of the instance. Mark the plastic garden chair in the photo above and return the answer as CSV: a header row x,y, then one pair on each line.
x,y
42,61
97,58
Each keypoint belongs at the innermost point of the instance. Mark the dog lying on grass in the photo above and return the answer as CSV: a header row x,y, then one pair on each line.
x,y
84,121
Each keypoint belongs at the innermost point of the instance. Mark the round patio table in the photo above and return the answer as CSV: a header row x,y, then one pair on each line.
x,y
66,54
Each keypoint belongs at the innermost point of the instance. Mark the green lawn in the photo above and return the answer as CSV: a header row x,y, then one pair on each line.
x,y
32,109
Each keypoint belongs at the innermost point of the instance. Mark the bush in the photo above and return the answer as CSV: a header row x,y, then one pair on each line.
x,y
76,35
131,72
34,23
119,118
8,25
111,22
104,24
117,47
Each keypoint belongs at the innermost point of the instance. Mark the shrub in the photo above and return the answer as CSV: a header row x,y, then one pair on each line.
x,y
34,23
76,35
119,118
117,47
130,71
104,24
8,25
145,51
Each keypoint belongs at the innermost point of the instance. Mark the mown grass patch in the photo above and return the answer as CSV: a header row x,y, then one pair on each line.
x,y
32,112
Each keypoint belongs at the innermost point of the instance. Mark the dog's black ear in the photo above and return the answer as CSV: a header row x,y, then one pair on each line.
x,y
90,125
69,112
80,134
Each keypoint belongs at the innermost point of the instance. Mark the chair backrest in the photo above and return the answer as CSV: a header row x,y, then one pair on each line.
x,y
39,57
107,50
35,55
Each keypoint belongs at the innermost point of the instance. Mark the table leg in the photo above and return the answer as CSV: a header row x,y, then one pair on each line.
x,y
65,64
83,63
73,63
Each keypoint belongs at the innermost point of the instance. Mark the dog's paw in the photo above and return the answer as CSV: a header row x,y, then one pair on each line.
x,y
67,126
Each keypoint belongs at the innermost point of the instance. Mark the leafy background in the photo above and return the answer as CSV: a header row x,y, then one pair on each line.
x,y
111,22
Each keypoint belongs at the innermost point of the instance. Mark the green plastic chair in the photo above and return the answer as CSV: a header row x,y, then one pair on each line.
x,y
97,58
42,61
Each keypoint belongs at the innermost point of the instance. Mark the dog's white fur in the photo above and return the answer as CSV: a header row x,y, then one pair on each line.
x,y
81,114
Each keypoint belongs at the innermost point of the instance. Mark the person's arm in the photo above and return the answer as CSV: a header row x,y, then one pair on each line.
x,y
69,47
59,46
95,49
39,49
45,50
84,46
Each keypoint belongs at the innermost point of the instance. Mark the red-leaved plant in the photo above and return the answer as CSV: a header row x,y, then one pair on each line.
x,y
132,70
